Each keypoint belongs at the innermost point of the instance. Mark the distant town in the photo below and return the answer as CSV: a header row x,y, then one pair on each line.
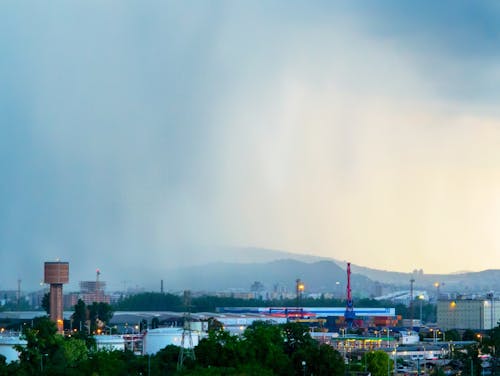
x,y
417,330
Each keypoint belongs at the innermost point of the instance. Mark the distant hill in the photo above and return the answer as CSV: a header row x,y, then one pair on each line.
x,y
320,276
224,268
457,282
240,255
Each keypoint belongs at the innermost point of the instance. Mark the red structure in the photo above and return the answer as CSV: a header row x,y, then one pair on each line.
x,y
56,274
349,314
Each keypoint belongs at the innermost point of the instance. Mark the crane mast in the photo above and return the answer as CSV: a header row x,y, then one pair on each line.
x,y
349,314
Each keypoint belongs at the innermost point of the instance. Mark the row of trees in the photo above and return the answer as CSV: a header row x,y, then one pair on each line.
x,y
151,301
264,349
155,301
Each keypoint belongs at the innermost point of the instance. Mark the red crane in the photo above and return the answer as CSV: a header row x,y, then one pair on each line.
x,y
349,314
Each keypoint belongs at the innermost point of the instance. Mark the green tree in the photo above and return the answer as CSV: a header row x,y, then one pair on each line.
x,y
452,335
41,345
219,349
143,325
165,361
494,338
214,324
67,358
296,336
264,344
80,315
327,361
46,302
111,363
469,335
378,363
150,301
469,357
3,365
99,314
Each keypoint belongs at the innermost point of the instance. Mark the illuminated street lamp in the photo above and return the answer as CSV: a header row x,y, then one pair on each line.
x,y
436,285
420,298
394,355
299,287
453,306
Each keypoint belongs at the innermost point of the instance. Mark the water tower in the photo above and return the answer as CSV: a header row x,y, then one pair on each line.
x,y
56,274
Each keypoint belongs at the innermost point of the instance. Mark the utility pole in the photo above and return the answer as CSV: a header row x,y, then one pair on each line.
x,y
411,301
18,294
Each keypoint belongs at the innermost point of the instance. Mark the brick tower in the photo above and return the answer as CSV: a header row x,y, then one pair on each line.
x,y
56,274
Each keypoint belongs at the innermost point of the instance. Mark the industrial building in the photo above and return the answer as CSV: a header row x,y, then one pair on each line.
x,y
479,314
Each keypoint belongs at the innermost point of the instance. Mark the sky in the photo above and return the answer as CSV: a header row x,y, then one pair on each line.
x,y
362,131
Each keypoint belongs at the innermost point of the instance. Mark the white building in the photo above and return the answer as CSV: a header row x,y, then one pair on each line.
x,y
156,339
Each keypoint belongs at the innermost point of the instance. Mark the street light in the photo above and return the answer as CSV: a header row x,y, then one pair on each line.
x,y
388,359
304,367
41,361
299,287
420,298
436,285
395,354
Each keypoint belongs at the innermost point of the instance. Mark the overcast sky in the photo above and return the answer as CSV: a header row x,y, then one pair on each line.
x,y
362,131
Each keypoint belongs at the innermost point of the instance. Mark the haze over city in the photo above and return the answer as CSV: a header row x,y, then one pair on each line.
x,y
131,132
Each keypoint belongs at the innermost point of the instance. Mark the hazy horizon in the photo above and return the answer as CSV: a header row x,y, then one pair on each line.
x,y
131,132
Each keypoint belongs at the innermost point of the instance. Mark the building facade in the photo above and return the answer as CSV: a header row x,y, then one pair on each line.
x,y
480,314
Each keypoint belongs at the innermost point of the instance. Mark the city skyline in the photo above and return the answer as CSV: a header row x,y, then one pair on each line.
x,y
130,132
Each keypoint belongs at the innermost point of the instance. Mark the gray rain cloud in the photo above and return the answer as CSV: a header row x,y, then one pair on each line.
x,y
131,132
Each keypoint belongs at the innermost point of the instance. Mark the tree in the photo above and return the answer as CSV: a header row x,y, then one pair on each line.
x,y
264,344
80,315
324,360
378,363
469,358
214,324
304,351
150,301
165,361
99,314
452,335
3,365
469,335
46,302
494,338
296,336
219,349
41,344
